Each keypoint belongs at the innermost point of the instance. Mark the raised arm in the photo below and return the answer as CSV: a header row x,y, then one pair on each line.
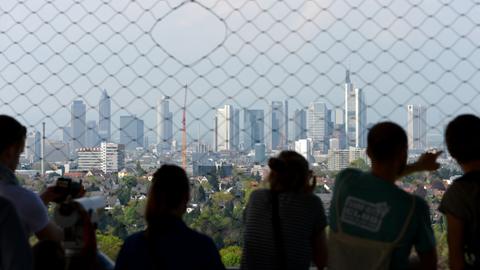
x,y
426,162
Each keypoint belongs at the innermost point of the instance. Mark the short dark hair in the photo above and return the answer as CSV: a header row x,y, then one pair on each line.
x,y
12,132
169,186
463,138
289,171
385,140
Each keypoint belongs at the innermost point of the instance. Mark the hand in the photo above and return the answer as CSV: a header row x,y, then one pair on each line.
x,y
428,161
49,195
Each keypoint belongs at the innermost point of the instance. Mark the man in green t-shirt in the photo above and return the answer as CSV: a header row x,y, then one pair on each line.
x,y
374,208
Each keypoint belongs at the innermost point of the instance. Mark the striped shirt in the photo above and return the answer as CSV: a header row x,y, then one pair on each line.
x,y
302,216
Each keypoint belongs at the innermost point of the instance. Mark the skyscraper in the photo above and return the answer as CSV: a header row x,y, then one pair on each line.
x,y
355,115
32,146
78,124
285,127
253,127
113,157
300,124
164,125
305,148
417,127
66,134
93,138
277,125
317,125
131,132
226,129
104,117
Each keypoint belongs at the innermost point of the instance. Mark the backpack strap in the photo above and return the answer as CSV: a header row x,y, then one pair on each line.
x,y
337,203
407,221
277,231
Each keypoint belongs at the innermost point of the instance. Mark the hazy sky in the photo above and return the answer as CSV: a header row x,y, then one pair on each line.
x,y
244,53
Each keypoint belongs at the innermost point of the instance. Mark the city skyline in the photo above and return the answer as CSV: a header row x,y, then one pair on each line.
x,y
333,118
397,58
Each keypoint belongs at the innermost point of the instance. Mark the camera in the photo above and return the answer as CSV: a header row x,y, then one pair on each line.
x,y
66,187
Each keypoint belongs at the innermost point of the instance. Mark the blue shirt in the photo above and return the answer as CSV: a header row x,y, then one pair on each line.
x,y
375,209
15,253
174,246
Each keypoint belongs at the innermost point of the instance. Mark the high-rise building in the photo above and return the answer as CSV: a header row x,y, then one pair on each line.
x,y
105,117
277,126
285,127
317,125
93,138
339,116
131,132
33,146
89,158
355,115
56,151
340,159
300,124
66,135
417,127
78,124
338,131
253,128
226,129
334,144
305,148
113,157
109,157
164,125
260,156
339,134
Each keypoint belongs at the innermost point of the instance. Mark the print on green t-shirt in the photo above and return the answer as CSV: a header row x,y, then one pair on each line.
x,y
376,209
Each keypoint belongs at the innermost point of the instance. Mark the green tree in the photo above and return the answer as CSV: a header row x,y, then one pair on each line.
x,y
124,195
231,256
140,171
129,181
360,164
199,195
133,216
109,244
213,181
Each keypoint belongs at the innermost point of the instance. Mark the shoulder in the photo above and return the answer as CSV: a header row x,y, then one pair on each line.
x,y
24,200
313,200
137,238
458,190
348,173
19,193
132,244
461,184
201,239
457,196
421,204
259,194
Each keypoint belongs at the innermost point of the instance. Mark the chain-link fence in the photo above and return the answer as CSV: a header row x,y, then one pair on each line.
x,y
58,57
168,80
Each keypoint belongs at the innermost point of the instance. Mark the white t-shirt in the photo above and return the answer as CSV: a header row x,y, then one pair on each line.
x,y
30,208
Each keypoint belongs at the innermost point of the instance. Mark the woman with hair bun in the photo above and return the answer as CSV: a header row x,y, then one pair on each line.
x,y
285,225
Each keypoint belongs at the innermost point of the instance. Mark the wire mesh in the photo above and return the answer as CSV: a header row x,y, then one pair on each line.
x,y
241,74
246,54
